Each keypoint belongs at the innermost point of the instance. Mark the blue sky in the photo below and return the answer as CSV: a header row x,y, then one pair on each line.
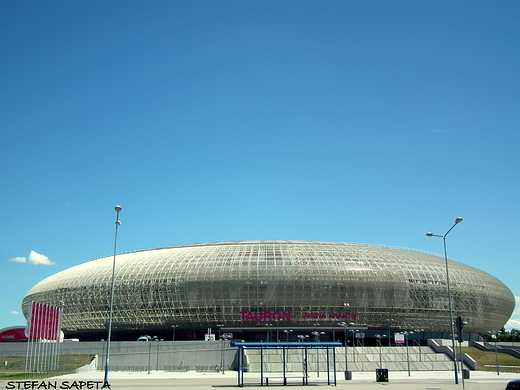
x,y
368,122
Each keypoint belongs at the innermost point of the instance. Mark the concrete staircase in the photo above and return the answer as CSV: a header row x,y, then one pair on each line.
x,y
358,358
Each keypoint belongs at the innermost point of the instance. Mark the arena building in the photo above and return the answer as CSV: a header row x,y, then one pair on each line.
x,y
256,289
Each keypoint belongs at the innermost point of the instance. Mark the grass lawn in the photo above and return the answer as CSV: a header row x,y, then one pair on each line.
x,y
15,367
486,358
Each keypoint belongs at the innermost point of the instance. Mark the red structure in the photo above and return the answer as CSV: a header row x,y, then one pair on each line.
x,y
13,334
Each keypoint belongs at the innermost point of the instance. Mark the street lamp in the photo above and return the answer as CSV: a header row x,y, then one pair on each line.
x,y
406,333
379,337
158,349
219,329
174,330
353,343
287,331
111,308
222,353
304,360
221,338
390,320
344,325
458,220
348,374
317,335
268,332
495,333
154,338
418,342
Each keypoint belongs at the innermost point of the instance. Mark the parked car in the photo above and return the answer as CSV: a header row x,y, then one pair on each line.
x,y
513,385
143,338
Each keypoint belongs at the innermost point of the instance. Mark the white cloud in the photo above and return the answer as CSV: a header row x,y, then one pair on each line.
x,y
18,260
37,258
34,258
512,324
514,321
15,312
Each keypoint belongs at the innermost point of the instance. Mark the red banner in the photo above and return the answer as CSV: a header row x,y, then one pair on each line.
x,y
43,322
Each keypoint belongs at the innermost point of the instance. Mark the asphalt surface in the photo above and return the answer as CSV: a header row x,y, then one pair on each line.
x,y
422,380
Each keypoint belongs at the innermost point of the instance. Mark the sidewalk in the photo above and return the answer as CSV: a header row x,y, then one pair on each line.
x,y
418,380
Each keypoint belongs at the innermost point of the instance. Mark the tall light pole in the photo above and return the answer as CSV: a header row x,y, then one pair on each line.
x,y
495,333
450,305
111,309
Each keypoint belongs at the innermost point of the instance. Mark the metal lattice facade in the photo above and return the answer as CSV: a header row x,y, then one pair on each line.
x,y
295,282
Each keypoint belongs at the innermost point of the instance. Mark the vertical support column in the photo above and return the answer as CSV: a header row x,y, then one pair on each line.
x,y
241,366
283,362
328,366
306,367
334,363
261,366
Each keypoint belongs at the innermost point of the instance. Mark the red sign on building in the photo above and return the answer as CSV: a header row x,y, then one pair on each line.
x,y
12,334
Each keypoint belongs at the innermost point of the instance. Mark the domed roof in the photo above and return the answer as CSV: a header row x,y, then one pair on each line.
x,y
204,284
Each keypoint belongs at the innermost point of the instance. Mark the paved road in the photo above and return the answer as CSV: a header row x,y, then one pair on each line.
x,y
211,381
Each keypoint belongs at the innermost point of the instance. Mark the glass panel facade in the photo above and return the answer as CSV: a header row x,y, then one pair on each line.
x,y
293,283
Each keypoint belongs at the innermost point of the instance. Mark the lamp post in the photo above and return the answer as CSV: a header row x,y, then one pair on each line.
x,y
158,350
418,342
450,304
317,335
353,343
379,337
222,353
304,361
406,333
150,339
495,334
287,331
174,330
221,338
348,374
220,329
111,308
390,320
268,332
344,325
